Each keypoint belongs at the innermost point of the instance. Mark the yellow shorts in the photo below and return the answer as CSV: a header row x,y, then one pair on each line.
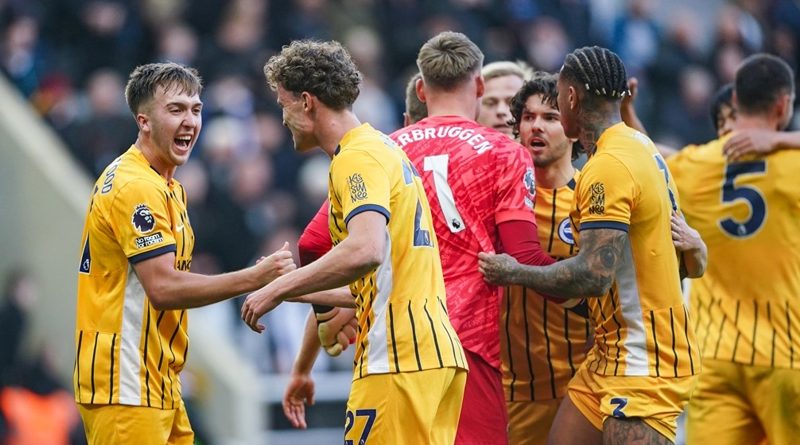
x,y
405,408
136,425
658,401
742,404
529,422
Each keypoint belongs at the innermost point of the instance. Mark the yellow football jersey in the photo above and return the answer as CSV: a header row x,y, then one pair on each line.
x,y
745,306
542,344
401,306
128,352
641,326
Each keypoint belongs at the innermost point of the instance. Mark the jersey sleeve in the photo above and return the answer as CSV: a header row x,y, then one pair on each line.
x,y
606,195
316,238
141,221
360,183
515,185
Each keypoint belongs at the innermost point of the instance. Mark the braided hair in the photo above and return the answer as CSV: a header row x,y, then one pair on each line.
x,y
598,71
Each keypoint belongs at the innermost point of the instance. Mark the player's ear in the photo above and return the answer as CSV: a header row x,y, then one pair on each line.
x,y
143,122
783,108
420,88
309,101
573,98
480,85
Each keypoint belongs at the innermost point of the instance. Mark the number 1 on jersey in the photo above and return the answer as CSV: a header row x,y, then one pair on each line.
x,y
447,202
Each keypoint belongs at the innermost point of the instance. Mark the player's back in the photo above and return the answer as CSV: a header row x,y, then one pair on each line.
x,y
746,211
475,178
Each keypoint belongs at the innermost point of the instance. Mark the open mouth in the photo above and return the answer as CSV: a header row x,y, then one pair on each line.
x,y
538,143
183,142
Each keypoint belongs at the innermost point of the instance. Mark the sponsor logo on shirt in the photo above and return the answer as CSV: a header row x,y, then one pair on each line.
x,y
142,219
597,200
149,240
358,190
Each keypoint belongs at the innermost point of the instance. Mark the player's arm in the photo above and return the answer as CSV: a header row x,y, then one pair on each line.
x,y
588,274
168,288
300,390
515,195
520,240
631,118
339,297
336,326
358,254
313,244
627,108
693,251
754,141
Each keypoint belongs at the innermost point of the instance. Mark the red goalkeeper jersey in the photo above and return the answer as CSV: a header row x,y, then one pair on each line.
x,y
475,179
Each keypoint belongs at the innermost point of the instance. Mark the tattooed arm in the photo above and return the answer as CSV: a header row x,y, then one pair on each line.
x,y
588,274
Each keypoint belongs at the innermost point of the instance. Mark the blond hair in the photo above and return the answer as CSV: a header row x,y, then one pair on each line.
x,y
448,59
506,68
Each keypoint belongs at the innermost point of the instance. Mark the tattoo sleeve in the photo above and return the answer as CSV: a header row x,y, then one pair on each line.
x,y
631,431
588,274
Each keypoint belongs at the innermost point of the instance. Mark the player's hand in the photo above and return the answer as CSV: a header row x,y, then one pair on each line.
x,y
275,265
256,305
684,238
336,329
745,142
497,269
299,393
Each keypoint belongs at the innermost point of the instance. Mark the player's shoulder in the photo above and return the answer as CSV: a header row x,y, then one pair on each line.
x,y
695,156
129,171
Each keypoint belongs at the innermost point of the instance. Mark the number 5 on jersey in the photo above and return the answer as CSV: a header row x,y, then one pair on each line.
x,y
751,195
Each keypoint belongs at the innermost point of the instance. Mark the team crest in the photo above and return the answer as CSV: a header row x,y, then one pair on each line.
x,y
358,190
142,219
529,181
565,232
597,200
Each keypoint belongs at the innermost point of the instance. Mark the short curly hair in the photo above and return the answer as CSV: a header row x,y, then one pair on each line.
x,y
324,69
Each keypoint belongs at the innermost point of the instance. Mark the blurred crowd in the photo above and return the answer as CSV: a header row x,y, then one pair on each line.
x,y
248,190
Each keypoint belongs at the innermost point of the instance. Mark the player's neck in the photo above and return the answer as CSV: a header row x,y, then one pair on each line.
x,y
755,122
594,121
452,104
164,168
556,175
333,127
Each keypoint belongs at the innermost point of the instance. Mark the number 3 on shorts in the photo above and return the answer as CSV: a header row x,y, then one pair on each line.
x,y
350,422
621,402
